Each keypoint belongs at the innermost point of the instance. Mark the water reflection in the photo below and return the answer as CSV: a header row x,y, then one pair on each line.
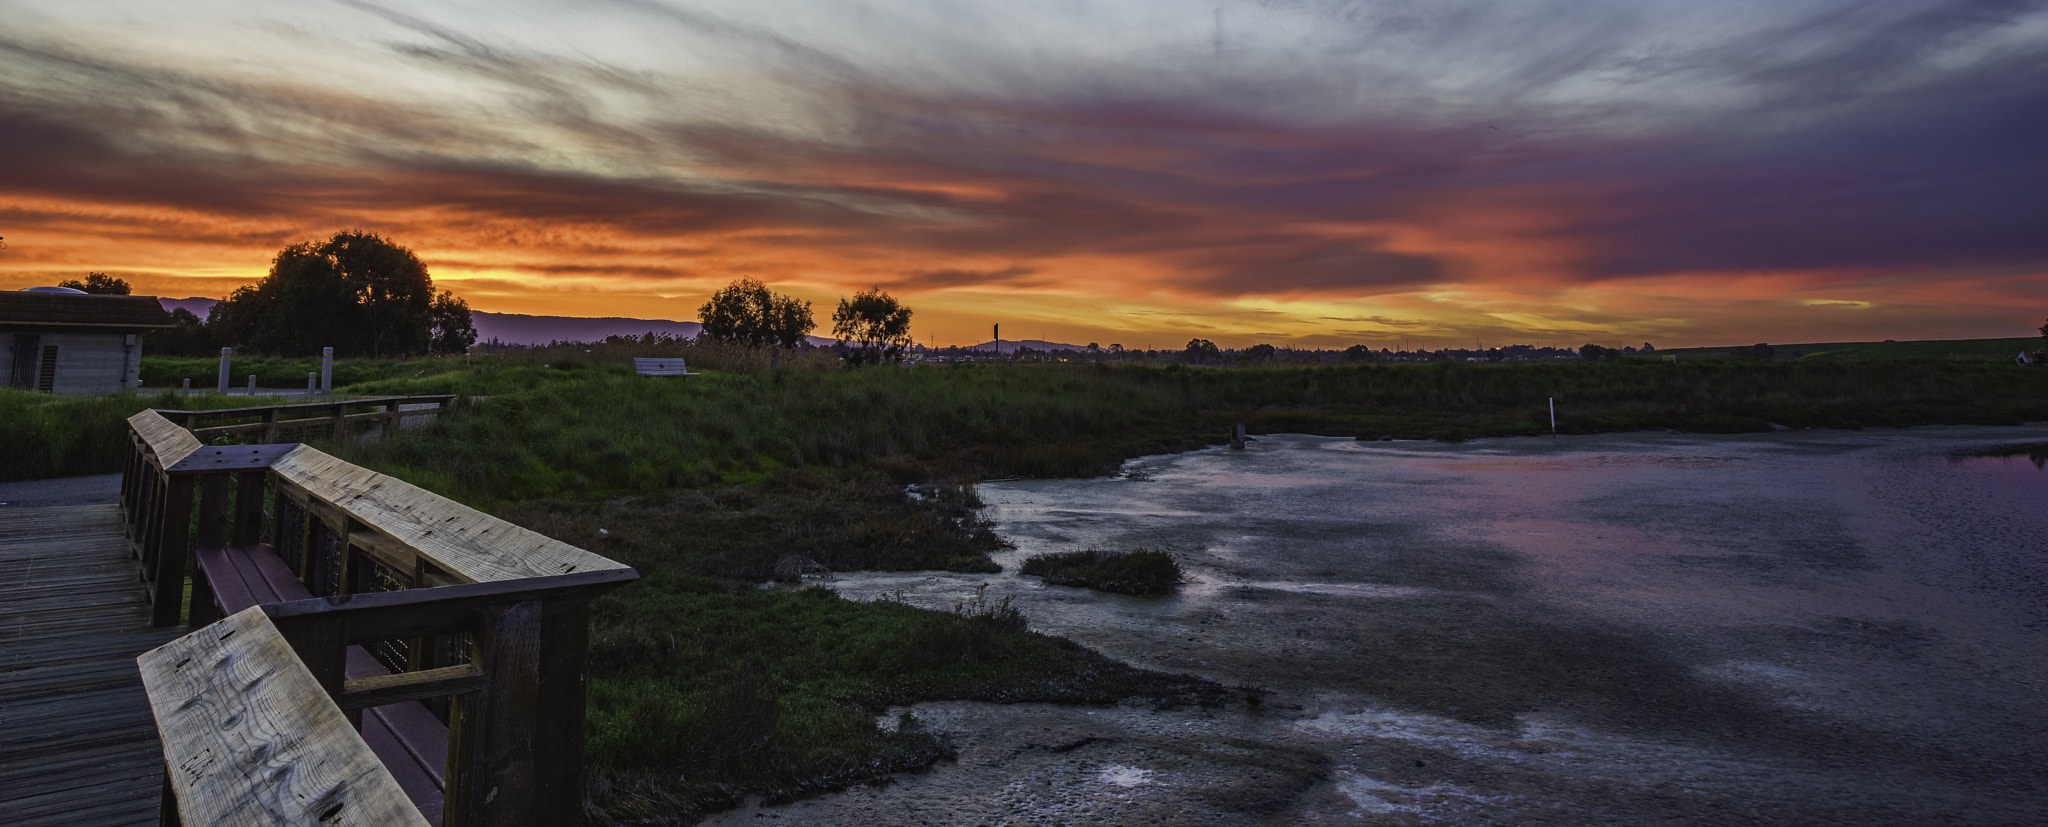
x,y
1819,627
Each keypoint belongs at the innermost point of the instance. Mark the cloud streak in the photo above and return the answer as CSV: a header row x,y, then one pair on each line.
x,y
1450,165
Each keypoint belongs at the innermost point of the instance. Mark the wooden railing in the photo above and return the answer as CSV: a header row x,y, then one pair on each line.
x,y
390,599
330,419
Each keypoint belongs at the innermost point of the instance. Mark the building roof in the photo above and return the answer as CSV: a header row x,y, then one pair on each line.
x,y
81,312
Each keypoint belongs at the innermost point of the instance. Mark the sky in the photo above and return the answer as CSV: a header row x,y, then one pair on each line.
x,y
1140,172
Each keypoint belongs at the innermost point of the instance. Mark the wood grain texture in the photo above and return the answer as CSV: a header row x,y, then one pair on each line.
x,y
168,442
76,742
467,543
252,739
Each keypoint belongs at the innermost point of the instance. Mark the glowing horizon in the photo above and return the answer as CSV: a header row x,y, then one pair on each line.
x,y
1309,175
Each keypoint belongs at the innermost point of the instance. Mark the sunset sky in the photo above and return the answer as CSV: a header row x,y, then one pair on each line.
x,y
1131,171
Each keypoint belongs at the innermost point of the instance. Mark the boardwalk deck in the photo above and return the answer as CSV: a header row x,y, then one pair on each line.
x,y
77,743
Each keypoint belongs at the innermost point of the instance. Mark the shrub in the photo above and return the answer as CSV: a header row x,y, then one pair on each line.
x,y
1141,571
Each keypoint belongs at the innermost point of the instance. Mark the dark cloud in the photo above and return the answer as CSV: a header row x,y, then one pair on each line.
x,y
1859,147
1008,277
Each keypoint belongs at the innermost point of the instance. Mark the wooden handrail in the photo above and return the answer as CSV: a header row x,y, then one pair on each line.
x,y
388,562
242,745
333,415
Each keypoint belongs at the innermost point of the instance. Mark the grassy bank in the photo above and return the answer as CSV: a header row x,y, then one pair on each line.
x,y
699,696
1141,571
594,429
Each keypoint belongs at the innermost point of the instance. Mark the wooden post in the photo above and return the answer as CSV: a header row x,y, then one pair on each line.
x,y
340,423
171,549
270,432
213,511
248,523
490,734
558,731
322,644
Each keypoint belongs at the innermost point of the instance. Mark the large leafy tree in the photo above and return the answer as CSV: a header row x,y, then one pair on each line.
x,y
1200,351
747,312
99,284
355,292
874,324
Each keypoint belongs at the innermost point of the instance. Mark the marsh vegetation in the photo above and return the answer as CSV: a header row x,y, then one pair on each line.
x,y
707,688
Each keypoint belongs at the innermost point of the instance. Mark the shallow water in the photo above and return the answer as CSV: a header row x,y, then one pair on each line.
x,y
1805,627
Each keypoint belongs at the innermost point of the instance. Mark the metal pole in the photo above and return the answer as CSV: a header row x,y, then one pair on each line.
x,y
224,354
327,370
1553,416
252,384
312,382
188,385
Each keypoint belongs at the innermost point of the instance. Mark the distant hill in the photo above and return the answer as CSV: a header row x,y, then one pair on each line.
x,y
2000,349
195,305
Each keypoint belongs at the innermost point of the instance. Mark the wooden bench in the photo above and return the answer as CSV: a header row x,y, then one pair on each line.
x,y
660,367
411,742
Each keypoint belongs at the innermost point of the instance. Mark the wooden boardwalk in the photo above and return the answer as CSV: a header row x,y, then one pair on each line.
x,y
77,743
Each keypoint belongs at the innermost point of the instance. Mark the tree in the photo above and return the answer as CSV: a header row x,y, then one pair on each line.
x,y
187,336
745,311
454,330
356,292
1261,352
1200,351
1592,352
99,284
1358,353
874,323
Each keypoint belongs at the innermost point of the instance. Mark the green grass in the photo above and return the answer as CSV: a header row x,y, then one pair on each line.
x,y
1140,571
593,429
278,372
44,436
700,696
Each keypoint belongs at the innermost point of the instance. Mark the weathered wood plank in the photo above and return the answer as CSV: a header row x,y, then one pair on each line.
x,y
411,686
461,540
252,739
169,442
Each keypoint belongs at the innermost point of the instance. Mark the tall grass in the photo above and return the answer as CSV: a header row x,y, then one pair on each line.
x,y
44,436
282,372
584,428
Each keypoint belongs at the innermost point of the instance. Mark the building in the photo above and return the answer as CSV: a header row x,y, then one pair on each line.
x,y
58,340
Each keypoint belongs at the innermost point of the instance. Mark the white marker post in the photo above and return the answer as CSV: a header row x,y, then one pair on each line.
x,y
1553,416
326,370
222,386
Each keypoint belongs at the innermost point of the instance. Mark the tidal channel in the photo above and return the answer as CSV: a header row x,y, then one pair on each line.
x,y
1816,627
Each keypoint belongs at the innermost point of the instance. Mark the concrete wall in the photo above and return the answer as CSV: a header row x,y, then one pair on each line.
x,y
87,363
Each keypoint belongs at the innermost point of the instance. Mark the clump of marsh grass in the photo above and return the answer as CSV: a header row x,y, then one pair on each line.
x,y
1138,571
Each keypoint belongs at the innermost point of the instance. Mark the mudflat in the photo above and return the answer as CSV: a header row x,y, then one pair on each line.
x,y
1802,627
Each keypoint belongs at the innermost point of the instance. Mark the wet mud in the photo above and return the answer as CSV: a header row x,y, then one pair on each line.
x,y
1804,628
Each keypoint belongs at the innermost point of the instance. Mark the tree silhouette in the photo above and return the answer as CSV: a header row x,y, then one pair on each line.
x,y
874,324
355,292
98,284
747,312
1200,351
